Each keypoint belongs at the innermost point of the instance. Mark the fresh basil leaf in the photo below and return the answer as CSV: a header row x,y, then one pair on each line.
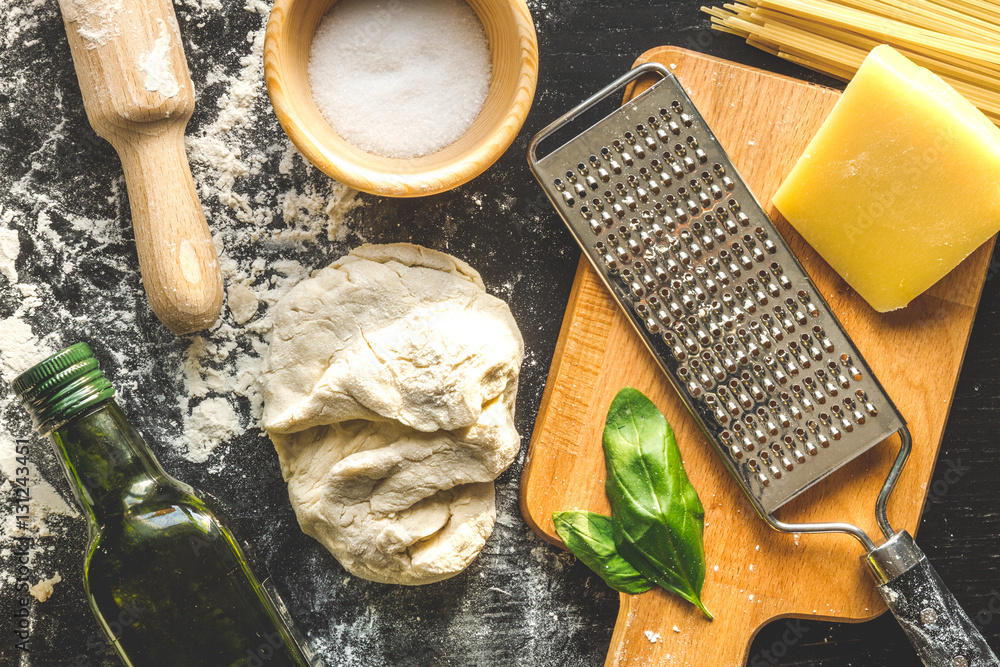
x,y
657,518
590,537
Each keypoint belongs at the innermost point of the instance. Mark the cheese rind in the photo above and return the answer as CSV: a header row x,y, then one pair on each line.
x,y
899,185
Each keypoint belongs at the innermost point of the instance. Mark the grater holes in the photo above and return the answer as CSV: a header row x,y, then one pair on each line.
x,y
716,311
869,407
851,368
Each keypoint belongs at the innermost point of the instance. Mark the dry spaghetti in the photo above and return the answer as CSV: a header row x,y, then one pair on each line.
x,y
834,36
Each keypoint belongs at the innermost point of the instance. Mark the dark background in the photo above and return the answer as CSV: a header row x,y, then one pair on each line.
x,y
522,602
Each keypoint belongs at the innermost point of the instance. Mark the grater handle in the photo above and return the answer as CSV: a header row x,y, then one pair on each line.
x,y
587,104
940,631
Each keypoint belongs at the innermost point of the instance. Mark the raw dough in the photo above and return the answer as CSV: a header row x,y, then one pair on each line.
x,y
389,394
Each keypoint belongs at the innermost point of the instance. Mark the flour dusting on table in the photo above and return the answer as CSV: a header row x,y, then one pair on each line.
x,y
225,361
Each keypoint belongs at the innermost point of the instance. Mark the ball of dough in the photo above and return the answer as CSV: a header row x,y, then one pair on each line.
x,y
389,391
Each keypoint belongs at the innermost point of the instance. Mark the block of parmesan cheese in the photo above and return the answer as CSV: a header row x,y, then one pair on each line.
x,y
899,185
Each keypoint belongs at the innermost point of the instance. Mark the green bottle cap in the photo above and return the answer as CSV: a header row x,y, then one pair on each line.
x,y
62,386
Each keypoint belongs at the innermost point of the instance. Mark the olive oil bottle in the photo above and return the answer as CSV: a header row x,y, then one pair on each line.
x,y
165,577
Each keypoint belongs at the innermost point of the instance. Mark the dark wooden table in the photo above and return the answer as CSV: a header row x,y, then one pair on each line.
x,y
522,602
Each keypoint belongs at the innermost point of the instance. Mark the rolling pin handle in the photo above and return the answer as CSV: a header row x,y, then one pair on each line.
x,y
177,256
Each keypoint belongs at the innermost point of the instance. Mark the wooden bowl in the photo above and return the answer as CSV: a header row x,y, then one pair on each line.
x,y
514,52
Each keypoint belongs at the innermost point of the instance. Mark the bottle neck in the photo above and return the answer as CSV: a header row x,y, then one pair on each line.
x,y
106,461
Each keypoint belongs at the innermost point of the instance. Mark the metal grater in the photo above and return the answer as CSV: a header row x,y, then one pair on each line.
x,y
740,329
730,315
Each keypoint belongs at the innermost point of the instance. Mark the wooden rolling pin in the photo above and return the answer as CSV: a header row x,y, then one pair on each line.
x,y
138,95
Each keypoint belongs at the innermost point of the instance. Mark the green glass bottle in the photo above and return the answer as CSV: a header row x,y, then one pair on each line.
x,y
165,577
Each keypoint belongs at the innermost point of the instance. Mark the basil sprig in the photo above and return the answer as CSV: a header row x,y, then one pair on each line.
x,y
589,535
657,521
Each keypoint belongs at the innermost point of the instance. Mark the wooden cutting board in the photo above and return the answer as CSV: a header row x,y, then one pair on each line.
x,y
754,574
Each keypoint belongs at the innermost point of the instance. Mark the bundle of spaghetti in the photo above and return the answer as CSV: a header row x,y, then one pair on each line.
x,y
959,40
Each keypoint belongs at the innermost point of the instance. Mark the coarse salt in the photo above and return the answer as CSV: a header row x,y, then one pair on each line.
x,y
399,79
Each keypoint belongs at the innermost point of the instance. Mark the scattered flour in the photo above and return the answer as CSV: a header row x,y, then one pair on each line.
x,y
45,500
210,422
156,66
19,347
653,637
43,590
10,249
224,363
44,219
243,301
95,19
400,79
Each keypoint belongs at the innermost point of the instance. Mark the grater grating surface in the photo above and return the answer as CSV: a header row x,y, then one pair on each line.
x,y
689,254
